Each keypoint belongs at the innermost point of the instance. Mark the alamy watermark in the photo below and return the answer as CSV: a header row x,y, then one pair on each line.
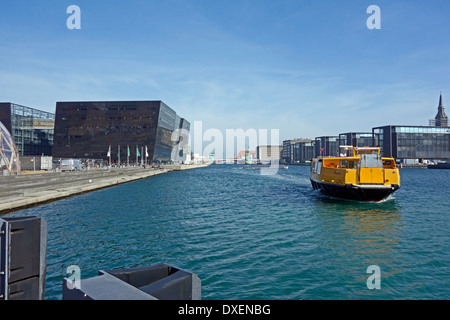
x,y
74,278
74,20
374,21
374,280
224,147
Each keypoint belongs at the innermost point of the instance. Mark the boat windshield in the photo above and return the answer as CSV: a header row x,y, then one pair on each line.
x,y
367,150
371,161
346,151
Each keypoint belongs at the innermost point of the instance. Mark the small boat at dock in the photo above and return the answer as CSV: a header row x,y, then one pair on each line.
x,y
360,174
441,165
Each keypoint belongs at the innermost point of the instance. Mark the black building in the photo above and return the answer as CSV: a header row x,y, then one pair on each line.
x,y
356,139
31,129
413,142
304,151
132,129
326,146
290,150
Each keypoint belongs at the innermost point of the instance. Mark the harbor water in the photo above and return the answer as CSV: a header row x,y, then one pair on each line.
x,y
251,236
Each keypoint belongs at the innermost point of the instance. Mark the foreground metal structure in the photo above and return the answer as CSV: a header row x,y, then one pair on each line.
x,y
9,155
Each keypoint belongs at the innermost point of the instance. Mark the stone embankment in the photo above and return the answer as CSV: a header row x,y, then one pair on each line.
x,y
23,191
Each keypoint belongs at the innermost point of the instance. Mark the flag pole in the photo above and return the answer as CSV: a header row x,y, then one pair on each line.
x,y
109,155
146,155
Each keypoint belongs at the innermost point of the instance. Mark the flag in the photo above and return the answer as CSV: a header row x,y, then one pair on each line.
x,y
138,153
146,151
128,150
109,152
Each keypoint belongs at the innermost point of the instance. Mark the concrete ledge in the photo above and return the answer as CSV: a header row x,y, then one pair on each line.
x,y
18,192
183,167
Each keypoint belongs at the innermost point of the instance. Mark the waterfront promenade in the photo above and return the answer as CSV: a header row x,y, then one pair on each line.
x,y
23,191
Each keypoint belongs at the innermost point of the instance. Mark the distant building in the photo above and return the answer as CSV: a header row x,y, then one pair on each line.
x,y
289,146
326,146
441,119
32,130
267,154
413,142
133,129
249,155
304,151
356,139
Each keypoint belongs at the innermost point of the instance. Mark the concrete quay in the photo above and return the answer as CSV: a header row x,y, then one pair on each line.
x,y
18,192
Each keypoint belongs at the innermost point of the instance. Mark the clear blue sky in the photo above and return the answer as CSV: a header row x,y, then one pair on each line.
x,y
308,68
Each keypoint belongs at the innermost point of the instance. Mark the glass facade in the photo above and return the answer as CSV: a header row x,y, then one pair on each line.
x,y
303,151
86,130
326,146
32,129
356,139
414,142
294,150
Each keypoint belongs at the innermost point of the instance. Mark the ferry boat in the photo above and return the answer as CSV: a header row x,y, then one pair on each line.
x,y
358,174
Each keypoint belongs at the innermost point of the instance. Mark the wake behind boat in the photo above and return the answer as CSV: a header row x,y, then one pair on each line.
x,y
265,167
361,175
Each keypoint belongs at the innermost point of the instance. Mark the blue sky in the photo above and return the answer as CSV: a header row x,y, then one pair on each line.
x,y
307,68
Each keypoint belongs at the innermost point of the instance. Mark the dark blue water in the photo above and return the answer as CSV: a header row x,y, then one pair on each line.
x,y
252,236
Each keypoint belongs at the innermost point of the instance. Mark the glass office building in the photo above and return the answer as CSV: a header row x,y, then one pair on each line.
x,y
356,139
326,146
31,129
290,153
413,142
87,130
304,151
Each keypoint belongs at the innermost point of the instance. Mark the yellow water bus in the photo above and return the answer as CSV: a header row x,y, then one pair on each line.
x,y
358,174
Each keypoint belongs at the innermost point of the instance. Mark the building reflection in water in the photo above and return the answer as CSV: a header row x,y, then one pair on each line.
x,y
355,235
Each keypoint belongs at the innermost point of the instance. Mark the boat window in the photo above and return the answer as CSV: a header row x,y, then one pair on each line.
x,y
343,164
351,164
371,161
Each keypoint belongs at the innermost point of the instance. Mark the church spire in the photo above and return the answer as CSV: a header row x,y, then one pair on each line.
x,y
441,119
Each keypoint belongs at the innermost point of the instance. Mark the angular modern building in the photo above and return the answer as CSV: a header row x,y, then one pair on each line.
x,y
130,129
413,142
31,129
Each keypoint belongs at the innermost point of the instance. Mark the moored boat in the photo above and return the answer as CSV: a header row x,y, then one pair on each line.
x,y
361,174
442,165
